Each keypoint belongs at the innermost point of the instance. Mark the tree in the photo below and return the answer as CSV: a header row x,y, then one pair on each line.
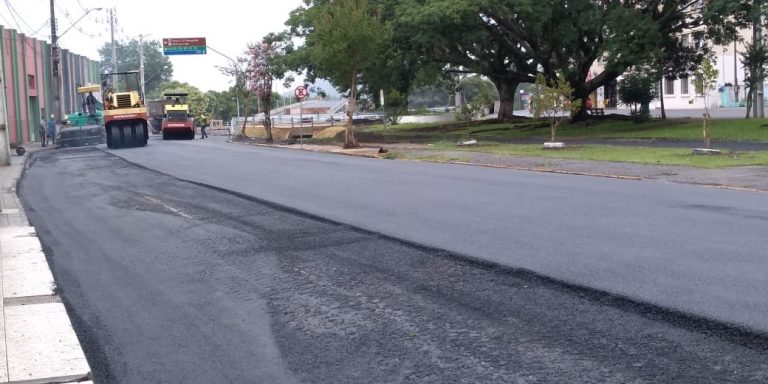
x,y
263,67
705,79
344,47
158,68
484,37
235,69
511,41
753,60
637,89
197,100
554,102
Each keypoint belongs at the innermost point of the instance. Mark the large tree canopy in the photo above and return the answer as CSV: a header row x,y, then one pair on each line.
x,y
157,67
511,41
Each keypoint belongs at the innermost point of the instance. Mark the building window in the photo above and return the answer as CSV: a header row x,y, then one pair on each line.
x,y
684,85
669,86
31,81
686,40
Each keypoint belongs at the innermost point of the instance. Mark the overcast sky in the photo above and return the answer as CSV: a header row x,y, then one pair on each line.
x,y
228,25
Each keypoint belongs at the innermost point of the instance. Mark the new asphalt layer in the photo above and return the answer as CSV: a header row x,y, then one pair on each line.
x,y
690,249
169,281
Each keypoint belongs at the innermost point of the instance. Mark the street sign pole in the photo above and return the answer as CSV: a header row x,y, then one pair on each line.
x,y
301,122
301,93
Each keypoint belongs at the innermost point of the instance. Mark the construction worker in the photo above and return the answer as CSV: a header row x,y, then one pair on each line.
x,y
43,131
90,104
203,124
52,130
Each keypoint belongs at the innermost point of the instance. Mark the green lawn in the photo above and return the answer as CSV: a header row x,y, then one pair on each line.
x,y
644,155
657,129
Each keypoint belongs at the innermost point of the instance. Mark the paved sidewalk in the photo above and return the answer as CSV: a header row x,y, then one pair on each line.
x,y
38,344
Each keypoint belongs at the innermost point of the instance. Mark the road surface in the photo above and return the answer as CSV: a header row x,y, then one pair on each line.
x,y
172,282
687,248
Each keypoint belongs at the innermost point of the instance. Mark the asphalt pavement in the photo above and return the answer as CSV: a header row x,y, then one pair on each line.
x,y
695,250
169,281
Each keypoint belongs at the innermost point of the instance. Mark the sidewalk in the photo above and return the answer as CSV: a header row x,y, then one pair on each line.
x,y
38,344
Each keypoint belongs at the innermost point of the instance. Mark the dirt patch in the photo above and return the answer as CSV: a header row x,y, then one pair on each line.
x,y
329,133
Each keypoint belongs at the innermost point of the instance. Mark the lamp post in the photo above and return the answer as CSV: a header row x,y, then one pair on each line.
x,y
237,77
141,65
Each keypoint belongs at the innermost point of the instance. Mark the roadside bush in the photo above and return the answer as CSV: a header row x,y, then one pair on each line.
x,y
395,107
637,90
470,112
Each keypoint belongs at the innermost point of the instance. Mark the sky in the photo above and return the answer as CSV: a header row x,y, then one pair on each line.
x,y
228,26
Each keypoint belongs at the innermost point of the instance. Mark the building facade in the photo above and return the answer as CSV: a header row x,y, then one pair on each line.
x,y
681,93
25,64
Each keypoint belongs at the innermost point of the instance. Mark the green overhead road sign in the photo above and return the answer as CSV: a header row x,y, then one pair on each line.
x,y
184,46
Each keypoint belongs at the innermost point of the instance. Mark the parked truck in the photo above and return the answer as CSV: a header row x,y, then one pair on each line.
x,y
125,116
84,127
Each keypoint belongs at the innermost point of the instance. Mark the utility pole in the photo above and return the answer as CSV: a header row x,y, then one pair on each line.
x,y
5,151
114,48
141,65
55,68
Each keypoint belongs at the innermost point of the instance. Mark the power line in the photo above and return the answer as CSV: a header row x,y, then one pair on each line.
x,y
13,10
72,22
81,6
10,10
45,24
6,20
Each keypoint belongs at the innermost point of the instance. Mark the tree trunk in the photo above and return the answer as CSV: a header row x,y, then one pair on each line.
x,y
706,132
582,114
245,120
749,101
706,122
757,27
506,99
349,133
268,119
553,130
661,99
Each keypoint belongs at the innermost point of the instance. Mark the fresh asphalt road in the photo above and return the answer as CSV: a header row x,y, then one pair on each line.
x,y
170,282
688,248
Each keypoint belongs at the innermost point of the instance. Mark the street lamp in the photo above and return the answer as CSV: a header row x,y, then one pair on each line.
x,y
237,77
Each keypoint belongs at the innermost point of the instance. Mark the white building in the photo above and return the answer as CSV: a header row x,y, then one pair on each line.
x,y
730,90
681,93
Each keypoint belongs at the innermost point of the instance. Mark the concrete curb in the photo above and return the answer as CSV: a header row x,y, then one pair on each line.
x,y
39,344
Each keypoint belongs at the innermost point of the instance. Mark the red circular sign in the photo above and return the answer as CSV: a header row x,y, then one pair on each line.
x,y
301,92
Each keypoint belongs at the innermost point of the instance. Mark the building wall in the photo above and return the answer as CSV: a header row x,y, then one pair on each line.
x,y
730,84
731,89
25,63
